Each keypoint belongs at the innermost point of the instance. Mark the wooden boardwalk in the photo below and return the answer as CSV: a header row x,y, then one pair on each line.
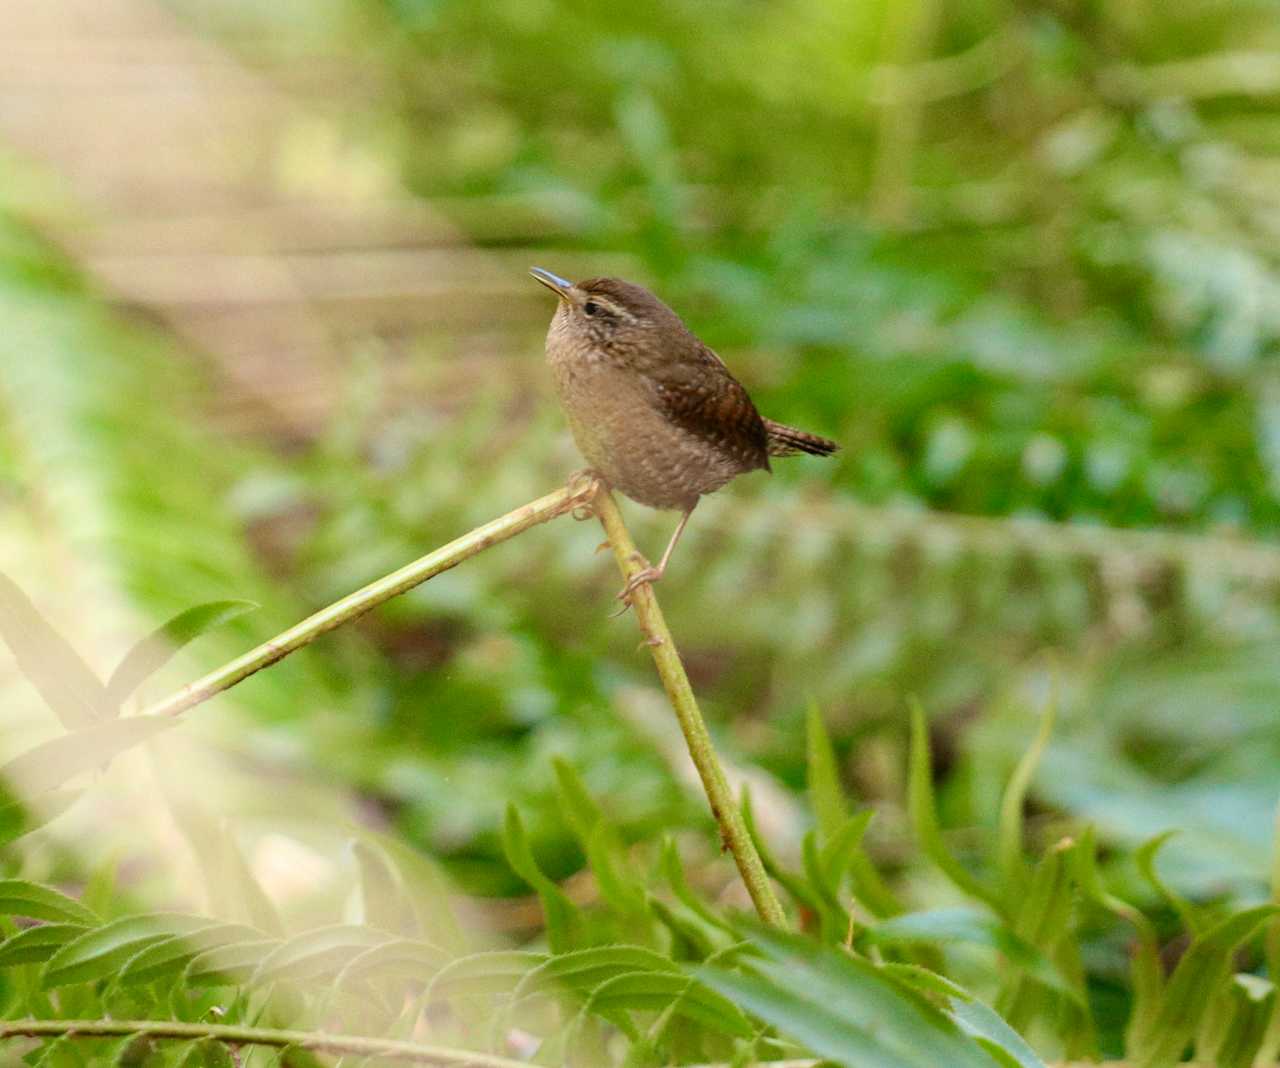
x,y
239,215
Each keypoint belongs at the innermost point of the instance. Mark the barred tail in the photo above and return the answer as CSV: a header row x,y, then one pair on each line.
x,y
787,441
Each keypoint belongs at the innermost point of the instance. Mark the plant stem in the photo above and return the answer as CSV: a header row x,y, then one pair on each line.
x,y
724,806
577,493
236,1035
356,604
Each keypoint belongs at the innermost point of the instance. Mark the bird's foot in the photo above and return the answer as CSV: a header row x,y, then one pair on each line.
x,y
585,484
644,577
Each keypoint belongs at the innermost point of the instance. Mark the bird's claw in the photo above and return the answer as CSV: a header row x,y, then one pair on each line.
x,y
643,577
586,484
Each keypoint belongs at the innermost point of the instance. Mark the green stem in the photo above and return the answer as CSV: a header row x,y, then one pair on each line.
x,y
356,604
235,1035
724,806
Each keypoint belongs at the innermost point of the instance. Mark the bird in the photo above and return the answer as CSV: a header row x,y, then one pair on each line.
x,y
656,413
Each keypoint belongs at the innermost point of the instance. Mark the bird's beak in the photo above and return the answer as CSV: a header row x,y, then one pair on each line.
x,y
559,286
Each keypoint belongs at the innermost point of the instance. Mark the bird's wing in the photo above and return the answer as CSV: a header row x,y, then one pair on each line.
x,y
697,392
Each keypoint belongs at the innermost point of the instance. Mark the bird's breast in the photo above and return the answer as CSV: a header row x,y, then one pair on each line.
x,y
624,436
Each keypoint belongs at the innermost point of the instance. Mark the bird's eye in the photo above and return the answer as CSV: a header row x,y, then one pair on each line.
x,y
591,308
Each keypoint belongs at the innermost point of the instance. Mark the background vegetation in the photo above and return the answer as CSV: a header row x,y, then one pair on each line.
x,y
1020,258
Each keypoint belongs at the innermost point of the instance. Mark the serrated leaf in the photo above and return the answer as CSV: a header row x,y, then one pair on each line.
x,y
839,847
382,899
427,890
924,815
1145,969
128,1052
22,817
618,886
1236,1022
230,965
50,765
62,1052
34,945
685,995
318,954
961,925
580,809
65,682
100,951
1203,967
205,1053
993,1034
21,898
1009,841
170,956
799,889
673,870
154,651
560,914
402,958
832,915
826,795
496,971
585,968
1145,858
844,1008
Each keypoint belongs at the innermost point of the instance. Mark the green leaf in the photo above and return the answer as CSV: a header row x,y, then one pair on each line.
x,y
1009,849
402,958
101,951
1145,969
585,968
845,1009
560,914
318,954
230,965
21,898
154,651
961,925
832,915
35,945
382,899
63,679
427,890
22,817
825,792
496,971
50,765
1043,919
685,995
170,956
206,1053
579,807
924,815
1203,967
128,1052
673,870
1248,1003
1145,858
799,889
993,1034
840,846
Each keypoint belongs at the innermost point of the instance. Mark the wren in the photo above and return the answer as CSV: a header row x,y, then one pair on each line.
x,y
655,412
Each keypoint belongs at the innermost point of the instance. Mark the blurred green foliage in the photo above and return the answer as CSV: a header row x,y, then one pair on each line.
x,y
1021,258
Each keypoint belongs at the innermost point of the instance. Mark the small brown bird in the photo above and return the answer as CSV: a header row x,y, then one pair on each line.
x,y
655,412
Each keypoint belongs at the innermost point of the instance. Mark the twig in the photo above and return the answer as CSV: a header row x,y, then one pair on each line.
x,y
724,807
236,1035
370,596
579,492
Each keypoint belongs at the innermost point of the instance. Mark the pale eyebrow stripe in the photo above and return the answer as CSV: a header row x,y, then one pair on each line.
x,y
609,306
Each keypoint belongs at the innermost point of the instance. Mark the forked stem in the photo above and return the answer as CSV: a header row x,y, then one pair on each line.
x,y
724,806
581,491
